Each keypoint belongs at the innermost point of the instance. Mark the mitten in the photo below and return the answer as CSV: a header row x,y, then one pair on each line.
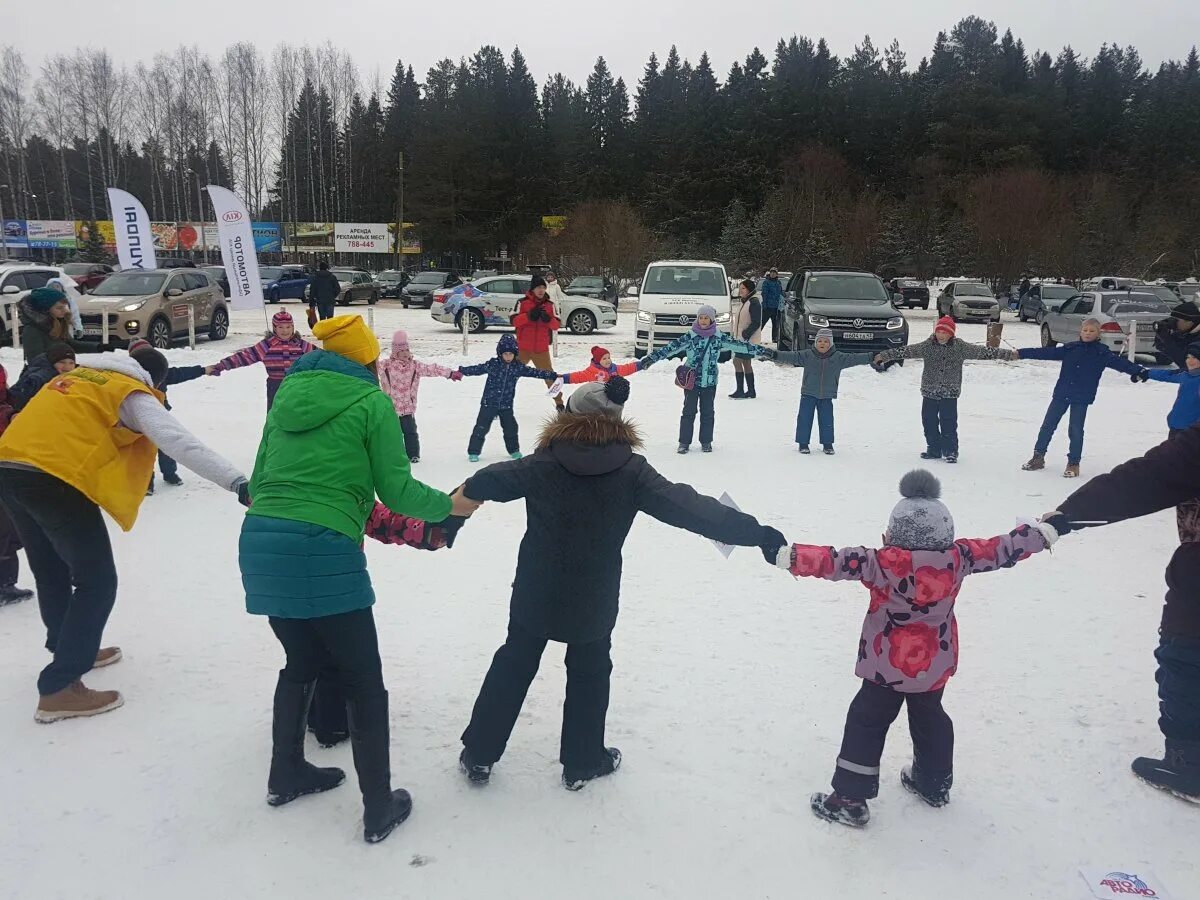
x,y
767,353
449,528
1056,522
243,492
644,363
770,543
456,375
1142,375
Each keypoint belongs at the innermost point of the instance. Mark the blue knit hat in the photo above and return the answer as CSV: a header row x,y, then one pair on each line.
x,y
1194,349
45,297
506,344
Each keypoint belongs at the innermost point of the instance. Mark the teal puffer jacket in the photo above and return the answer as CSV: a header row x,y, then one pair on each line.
x,y
704,353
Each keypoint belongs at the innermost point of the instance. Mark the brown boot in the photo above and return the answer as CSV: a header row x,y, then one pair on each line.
x,y
1036,463
106,657
1071,471
75,701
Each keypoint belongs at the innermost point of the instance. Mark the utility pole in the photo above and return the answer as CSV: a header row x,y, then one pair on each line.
x,y
3,233
400,214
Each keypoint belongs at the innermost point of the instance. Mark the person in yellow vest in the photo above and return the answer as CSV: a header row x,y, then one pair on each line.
x,y
87,442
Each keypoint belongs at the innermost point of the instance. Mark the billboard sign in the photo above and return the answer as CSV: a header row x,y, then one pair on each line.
x,y
357,237
50,235
308,237
266,237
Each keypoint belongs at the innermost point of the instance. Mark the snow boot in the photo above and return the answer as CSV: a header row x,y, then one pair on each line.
x,y
327,712
291,775
683,448
473,457
414,459
516,454
1178,772
952,457
804,449
751,394
740,393
706,448
476,772
931,454
1036,463
383,808
107,656
936,795
573,779
1071,471
76,701
150,489
173,478
10,593
827,449
843,810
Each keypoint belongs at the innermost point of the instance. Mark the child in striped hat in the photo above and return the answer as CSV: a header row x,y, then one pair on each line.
x,y
276,352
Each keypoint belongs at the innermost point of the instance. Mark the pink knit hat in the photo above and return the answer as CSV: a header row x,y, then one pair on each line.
x,y
399,341
283,317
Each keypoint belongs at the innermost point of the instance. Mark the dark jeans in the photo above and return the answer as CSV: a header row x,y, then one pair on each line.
x,y
10,543
513,667
412,440
771,316
66,543
483,424
872,712
167,465
272,390
347,640
1178,678
325,310
1054,414
804,420
940,420
702,397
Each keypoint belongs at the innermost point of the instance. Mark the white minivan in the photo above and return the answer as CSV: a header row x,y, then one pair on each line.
x,y
672,292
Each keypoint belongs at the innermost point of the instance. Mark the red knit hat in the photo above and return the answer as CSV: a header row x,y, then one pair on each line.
x,y
598,353
283,317
945,323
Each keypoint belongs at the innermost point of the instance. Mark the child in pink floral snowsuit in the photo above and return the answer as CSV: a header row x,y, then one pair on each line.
x,y
909,644
400,377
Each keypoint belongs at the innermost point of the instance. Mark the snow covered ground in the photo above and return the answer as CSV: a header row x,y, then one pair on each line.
x,y
730,686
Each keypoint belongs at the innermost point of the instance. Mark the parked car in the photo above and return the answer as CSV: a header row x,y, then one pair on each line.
x,y
1117,311
154,304
419,291
971,301
16,280
1185,290
908,292
1042,298
598,287
218,275
1112,283
482,273
175,262
492,302
671,294
856,306
391,281
87,275
284,282
356,285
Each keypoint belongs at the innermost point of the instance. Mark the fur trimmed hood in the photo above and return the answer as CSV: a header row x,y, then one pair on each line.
x,y
591,430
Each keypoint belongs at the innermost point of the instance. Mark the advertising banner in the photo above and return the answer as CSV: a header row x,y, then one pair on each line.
x,y
105,230
554,224
266,237
308,237
357,237
412,243
14,235
135,239
50,234
192,236
164,235
237,248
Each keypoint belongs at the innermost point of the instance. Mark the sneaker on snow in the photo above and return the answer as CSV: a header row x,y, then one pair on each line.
x,y
929,454
804,449
1177,773
173,479
414,459
827,449
516,454
706,448
1071,471
683,448
844,811
473,457
1036,463
938,797
574,780
951,457
476,773
10,593
106,656
76,701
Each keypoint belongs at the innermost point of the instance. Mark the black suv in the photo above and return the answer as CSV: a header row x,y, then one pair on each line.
x,y
419,291
855,305
911,292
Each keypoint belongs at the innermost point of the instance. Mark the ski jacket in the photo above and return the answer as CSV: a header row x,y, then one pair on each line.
x,y
772,293
388,527
597,372
748,323
40,331
1166,476
703,353
501,385
1083,362
276,355
941,378
6,407
583,487
822,371
323,288
38,373
909,637
1186,411
533,335
401,379
1174,343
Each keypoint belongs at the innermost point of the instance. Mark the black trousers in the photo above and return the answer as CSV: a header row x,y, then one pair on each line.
x,y
412,440
703,398
589,667
939,417
66,543
347,640
167,465
483,424
871,713
272,390
10,543
771,316
325,310
1178,678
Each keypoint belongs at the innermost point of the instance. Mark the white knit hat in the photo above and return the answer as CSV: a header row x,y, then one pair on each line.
x,y
920,521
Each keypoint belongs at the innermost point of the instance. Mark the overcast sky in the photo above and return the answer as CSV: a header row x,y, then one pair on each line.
x,y
567,36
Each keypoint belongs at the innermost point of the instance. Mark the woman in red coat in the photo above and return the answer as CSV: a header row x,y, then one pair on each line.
x,y
536,323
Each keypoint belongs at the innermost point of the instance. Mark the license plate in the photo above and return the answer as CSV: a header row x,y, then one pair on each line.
x,y
92,332
857,335
1145,328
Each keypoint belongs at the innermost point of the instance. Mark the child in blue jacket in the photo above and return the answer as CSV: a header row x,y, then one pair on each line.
x,y
1186,411
1083,362
502,372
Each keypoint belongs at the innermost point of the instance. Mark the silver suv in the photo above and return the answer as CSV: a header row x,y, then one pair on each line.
x,y
154,304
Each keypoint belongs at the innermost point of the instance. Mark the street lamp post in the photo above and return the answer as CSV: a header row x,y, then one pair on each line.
x,y
3,230
200,213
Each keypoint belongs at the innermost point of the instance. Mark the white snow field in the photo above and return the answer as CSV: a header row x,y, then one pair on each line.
x,y
729,691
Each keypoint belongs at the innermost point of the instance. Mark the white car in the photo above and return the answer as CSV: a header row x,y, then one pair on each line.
x,y
671,294
1118,312
493,301
18,279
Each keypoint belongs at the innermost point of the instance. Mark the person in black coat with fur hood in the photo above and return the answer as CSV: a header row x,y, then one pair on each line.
x,y
582,488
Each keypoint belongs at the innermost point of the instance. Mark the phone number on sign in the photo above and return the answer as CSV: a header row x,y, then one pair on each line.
x,y
366,245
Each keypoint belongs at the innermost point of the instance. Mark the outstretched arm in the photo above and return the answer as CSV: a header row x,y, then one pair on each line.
x,y
1173,377
676,346
530,372
433,370
794,357
500,482
1123,364
388,527
1055,353
978,351
911,351
1002,552
247,356
481,369
682,506
830,563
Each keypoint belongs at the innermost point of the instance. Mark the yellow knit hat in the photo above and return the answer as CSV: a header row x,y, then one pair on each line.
x,y
348,336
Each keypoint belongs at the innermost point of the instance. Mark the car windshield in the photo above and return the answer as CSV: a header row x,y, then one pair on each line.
x,y
344,274
1058,291
390,277
269,273
429,278
74,269
1132,304
705,281
844,287
972,290
129,284
589,282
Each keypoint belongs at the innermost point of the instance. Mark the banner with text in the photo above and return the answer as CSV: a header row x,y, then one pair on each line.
x,y
51,235
357,237
15,237
135,239
104,231
237,248
266,236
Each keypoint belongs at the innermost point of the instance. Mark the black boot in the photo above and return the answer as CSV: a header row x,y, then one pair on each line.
x,y
750,394
741,386
574,779
935,793
383,808
291,775
1178,772
327,712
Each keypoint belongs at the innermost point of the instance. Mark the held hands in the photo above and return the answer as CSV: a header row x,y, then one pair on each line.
x,y
461,504
243,493
456,375
1141,375
767,353
771,542
644,363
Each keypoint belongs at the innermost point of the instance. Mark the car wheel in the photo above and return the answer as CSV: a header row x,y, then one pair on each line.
x,y
219,327
404,303
474,319
581,322
373,299
159,334
273,297
343,299
1047,341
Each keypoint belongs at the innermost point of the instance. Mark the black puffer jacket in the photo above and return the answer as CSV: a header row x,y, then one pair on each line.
x,y
583,488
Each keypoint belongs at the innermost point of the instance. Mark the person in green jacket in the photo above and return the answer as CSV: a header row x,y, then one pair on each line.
x,y
330,445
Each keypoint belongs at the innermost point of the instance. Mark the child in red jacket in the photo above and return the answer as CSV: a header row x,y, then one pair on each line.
x,y
536,323
602,368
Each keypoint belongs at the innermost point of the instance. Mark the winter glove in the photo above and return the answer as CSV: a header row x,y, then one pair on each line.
x,y
767,353
456,375
449,528
1058,523
770,543
644,363
537,314
1141,375
243,492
